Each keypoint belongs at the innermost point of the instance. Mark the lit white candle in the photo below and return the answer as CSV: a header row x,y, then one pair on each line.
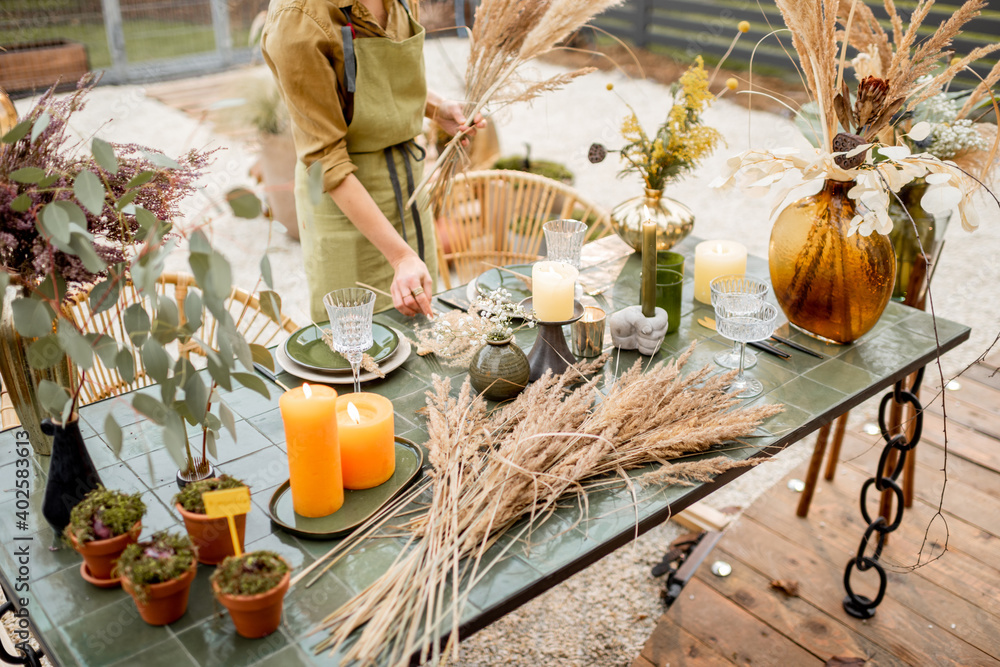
x,y
713,259
552,285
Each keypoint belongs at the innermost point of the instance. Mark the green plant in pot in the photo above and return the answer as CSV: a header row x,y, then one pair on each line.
x,y
84,238
265,111
157,573
100,528
252,587
209,534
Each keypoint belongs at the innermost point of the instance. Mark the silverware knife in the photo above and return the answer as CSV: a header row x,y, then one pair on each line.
x,y
454,304
263,370
795,346
709,323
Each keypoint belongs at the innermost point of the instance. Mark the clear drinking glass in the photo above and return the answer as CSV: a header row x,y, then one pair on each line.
x,y
563,240
739,320
350,312
726,287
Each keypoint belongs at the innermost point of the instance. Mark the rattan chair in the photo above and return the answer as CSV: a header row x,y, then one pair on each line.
x,y
101,382
496,216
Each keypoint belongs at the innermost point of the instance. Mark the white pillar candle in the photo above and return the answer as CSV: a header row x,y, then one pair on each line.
x,y
713,259
552,285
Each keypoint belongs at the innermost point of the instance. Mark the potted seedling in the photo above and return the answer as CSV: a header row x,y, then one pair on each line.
x,y
157,573
252,587
100,528
209,535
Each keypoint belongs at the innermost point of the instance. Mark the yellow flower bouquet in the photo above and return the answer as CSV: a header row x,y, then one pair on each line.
x,y
679,144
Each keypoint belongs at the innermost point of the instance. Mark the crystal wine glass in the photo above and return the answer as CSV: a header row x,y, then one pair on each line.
x,y
742,323
350,312
563,242
727,287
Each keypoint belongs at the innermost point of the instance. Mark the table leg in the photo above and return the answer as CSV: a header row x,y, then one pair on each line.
x,y
897,447
812,475
838,440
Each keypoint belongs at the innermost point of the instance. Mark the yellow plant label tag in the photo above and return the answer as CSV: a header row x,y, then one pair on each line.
x,y
227,502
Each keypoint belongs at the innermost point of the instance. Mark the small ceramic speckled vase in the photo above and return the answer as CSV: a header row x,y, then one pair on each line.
x,y
499,370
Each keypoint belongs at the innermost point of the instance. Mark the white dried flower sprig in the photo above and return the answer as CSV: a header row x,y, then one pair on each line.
x,y
885,170
455,336
497,309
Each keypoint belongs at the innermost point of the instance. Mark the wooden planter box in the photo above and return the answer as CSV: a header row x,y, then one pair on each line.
x,y
34,66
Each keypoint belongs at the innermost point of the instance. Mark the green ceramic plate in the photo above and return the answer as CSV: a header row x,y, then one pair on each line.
x,y
495,279
306,347
358,505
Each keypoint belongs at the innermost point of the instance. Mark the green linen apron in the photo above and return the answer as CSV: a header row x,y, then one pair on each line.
x,y
390,92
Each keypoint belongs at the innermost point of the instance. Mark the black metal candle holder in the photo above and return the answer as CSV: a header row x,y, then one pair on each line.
x,y
550,351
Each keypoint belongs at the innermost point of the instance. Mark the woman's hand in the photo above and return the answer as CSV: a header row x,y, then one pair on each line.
x,y
412,287
451,119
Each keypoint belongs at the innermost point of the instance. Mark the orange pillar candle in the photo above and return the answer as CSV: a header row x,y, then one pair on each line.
x,y
310,416
367,439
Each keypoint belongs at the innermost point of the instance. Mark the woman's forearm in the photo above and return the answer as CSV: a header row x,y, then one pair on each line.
x,y
357,204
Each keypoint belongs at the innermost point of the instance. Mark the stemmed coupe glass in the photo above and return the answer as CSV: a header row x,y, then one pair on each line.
x,y
739,292
738,319
350,312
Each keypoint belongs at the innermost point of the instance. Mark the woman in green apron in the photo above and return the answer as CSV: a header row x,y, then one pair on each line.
x,y
351,73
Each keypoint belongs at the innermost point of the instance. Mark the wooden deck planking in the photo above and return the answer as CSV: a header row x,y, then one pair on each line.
x,y
914,623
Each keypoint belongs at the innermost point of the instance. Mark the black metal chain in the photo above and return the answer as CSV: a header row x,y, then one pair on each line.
x,y
860,606
29,656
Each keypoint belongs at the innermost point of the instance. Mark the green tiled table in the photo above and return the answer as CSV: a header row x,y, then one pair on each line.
x,y
79,624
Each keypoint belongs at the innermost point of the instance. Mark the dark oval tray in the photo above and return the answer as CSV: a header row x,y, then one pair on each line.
x,y
358,506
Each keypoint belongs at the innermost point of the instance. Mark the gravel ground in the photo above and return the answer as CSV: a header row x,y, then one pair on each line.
x,y
603,615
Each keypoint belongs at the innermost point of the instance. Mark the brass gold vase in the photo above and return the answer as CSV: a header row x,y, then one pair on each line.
x,y
830,285
674,221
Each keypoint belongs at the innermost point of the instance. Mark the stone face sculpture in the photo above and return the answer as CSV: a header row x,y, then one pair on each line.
x,y
631,330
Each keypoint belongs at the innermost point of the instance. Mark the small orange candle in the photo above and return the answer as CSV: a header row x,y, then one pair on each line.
x,y
310,416
367,439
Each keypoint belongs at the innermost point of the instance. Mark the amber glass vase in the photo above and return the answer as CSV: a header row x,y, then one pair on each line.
x,y
830,285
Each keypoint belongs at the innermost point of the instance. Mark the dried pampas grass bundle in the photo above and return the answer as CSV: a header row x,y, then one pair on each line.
x,y
507,34
492,468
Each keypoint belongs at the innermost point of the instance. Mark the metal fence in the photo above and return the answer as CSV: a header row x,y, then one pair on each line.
x,y
687,28
130,40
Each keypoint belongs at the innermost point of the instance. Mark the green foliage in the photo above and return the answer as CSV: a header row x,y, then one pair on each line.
x,y
103,514
68,199
190,496
250,574
553,170
163,557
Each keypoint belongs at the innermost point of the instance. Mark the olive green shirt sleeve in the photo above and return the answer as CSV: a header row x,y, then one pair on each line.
x,y
301,48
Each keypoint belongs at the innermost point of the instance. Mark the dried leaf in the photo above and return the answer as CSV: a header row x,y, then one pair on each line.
x,y
789,587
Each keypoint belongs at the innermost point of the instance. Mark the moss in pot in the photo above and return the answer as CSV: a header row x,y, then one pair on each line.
x,y
101,526
252,587
209,535
157,573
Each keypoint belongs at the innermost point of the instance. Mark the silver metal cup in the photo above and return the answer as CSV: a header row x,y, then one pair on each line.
x,y
587,333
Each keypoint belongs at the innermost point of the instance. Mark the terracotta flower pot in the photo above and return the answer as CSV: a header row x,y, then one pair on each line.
x,y
258,615
166,602
101,555
211,536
